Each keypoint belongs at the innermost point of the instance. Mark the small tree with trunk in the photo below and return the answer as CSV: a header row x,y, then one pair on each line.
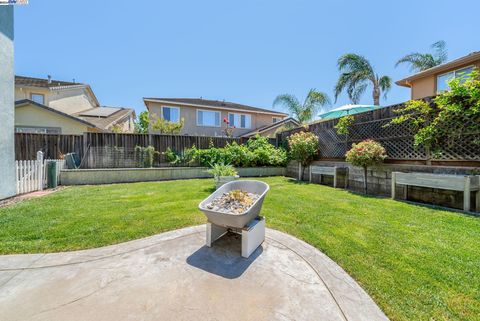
x,y
303,148
365,154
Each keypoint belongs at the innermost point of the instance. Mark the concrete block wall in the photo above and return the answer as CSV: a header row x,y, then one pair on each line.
x,y
379,182
129,175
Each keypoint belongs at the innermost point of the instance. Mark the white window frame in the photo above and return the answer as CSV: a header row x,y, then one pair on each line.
x,y
38,129
37,94
454,76
211,111
171,107
241,114
276,119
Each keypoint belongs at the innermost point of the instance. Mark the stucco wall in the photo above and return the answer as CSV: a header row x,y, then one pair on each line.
x,y
427,86
68,101
189,113
30,115
7,151
128,175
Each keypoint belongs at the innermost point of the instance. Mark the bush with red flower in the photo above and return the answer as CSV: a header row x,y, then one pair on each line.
x,y
230,129
303,148
365,154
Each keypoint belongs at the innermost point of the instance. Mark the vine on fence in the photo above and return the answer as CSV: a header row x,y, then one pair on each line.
x,y
451,116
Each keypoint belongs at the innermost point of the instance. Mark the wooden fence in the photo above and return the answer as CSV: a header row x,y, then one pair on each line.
x,y
52,146
397,139
109,150
101,150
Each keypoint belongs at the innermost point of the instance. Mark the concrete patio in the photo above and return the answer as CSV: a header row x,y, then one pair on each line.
x,y
173,276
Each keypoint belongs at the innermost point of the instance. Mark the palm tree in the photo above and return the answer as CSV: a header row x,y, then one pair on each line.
x,y
356,74
303,112
420,62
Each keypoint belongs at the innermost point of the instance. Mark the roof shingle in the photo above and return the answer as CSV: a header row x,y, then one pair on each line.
x,y
215,104
44,83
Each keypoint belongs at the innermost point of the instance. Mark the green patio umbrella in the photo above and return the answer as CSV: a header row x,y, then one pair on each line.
x,y
347,110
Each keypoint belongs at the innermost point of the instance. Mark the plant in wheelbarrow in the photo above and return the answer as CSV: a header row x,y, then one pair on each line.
x,y
223,173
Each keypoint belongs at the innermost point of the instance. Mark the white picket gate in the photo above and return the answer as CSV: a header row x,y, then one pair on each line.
x,y
31,175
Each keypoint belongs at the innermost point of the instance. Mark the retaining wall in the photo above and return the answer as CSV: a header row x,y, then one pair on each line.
x,y
129,175
379,181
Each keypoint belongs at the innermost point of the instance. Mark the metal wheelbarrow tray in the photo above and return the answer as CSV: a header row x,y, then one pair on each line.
x,y
236,220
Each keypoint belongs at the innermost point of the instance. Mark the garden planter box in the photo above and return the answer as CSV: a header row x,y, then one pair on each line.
x,y
128,175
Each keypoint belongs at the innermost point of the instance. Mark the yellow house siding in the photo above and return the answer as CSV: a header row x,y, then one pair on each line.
x,y
69,101
30,115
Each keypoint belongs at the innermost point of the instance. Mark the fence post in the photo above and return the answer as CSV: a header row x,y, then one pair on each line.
x,y
39,170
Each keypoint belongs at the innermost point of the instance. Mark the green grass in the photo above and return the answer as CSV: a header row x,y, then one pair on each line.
x,y
418,263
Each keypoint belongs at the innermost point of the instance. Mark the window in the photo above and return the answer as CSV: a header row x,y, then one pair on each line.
x,y
240,120
171,114
37,130
38,98
444,78
208,118
276,119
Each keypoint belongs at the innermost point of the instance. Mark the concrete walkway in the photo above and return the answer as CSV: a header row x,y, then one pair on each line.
x,y
173,276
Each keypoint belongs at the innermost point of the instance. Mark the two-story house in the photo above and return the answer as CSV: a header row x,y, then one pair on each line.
x,y
63,107
430,82
204,117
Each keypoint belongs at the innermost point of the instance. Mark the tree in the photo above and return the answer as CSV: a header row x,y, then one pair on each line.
x,y
141,126
356,74
344,126
166,127
420,62
365,154
303,148
314,101
117,129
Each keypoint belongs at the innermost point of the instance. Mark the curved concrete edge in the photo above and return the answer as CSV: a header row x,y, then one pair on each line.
x,y
354,302
352,299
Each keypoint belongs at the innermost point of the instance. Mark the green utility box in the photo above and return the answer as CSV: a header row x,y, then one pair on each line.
x,y
52,174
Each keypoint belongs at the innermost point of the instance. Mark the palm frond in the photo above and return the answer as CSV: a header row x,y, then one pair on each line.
x,y
290,102
349,63
385,84
314,102
355,92
440,48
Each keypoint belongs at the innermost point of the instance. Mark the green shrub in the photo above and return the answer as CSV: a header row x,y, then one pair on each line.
x,y
453,115
366,154
144,156
219,170
303,148
256,152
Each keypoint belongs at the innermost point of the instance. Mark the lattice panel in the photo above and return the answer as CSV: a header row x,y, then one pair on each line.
x,y
397,139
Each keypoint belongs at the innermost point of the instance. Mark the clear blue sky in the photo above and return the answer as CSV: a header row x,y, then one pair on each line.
x,y
246,51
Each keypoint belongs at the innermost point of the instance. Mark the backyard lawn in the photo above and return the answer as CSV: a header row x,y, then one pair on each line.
x,y
418,263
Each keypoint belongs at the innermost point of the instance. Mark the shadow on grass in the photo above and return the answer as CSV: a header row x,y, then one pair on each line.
x,y
371,196
209,190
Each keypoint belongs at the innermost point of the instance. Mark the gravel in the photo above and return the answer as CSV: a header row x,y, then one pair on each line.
x,y
233,202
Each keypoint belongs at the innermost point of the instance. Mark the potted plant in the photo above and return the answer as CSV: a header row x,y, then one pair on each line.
x,y
223,174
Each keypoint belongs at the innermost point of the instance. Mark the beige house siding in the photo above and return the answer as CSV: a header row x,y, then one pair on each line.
x,y
427,86
30,115
189,114
69,101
